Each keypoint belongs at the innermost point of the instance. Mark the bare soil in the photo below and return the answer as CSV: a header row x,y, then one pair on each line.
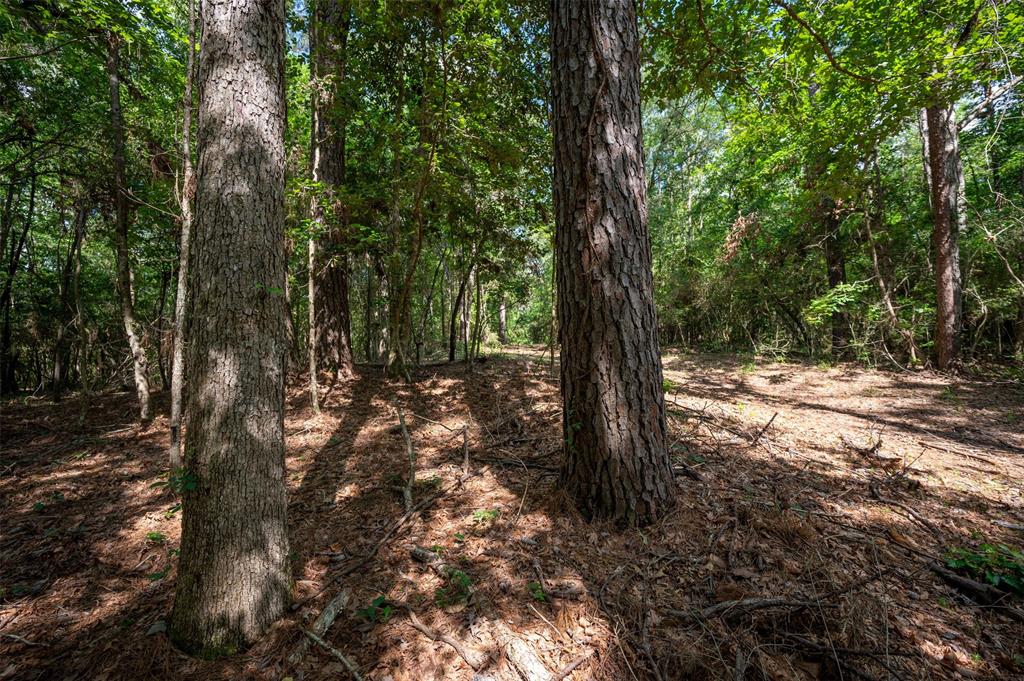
x,y
829,491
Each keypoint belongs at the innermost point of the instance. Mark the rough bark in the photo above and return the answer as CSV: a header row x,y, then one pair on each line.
x,y
233,575
502,321
457,311
329,261
616,458
188,191
946,193
140,365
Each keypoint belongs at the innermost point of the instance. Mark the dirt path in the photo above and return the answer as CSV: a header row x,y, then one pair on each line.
x,y
780,496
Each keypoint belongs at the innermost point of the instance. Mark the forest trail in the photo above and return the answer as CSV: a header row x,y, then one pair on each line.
x,y
782,493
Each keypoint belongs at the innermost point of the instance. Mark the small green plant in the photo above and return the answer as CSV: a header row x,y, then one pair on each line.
x,y
748,368
459,538
379,610
169,513
948,394
38,506
995,564
156,537
668,385
537,592
179,480
485,515
456,589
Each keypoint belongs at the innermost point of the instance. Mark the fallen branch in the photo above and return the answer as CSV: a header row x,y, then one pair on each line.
x,y
761,432
397,525
746,605
352,668
21,639
571,667
411,479
985,594
474,658
320,625
870,450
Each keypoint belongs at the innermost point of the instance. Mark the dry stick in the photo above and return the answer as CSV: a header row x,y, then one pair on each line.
x,y
571,667
398,524
24,640
352,668
465,449
411,480
321,625
745,605
473,658
765,428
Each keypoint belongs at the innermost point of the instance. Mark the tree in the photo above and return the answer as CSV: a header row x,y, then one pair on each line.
x,y
140,365
188,191
330,336
233,578
616,457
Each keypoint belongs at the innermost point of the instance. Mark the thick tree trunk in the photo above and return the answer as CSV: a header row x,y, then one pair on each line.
x,y
329,264
140,365
233,576
188,192
947,219
617,464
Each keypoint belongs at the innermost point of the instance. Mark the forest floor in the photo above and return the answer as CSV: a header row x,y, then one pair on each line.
x,y
830,491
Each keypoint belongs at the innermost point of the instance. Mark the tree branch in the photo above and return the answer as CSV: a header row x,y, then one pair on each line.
x,y
829,54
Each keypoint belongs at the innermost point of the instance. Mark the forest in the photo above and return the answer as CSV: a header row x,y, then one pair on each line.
x,y
512,340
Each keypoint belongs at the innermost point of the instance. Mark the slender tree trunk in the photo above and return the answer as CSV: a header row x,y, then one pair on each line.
x,y
65,318
464,316
233,575
8,361
188,192
140,365
502,321
165,280
370,349
835,263
329,263
617,464
947,215
457,307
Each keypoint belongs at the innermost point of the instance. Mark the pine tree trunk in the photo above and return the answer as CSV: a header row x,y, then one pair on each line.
x,y
617,464
329,40
233,575
947,214
8,359
66,313
181,295
140,365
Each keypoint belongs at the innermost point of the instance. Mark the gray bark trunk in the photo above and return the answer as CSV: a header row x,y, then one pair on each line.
x,y
616,464
948,215
233,576
140,365
188,191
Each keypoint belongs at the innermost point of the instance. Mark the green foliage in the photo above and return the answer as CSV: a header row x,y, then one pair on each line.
x,y
379,610
995,564
839,298
536,590
156,537
457,589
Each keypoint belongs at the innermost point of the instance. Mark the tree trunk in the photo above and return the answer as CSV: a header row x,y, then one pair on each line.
x,y
617,464
502,321
140,365
233,576
181,295
457,308
835,262
947,218
329,260
66,312
8,360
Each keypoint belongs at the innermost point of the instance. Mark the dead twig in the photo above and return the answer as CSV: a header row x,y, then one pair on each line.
x,y
761,432
411,452
739,607
571,667
320,626
352,668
